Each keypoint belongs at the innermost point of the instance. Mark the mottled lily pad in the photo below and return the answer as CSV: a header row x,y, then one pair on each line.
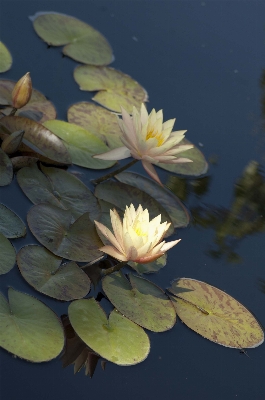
x,y
83,43
151,267
43,270
5,58
54,229
117,339
6,169
177,211
8,255
59,188
11,226
116,89
96,120
215,315
12,142
37,137
23,161
32,330
141,301
81,144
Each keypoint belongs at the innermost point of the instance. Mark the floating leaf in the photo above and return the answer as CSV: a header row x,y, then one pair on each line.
x,y
58,188
38,137
141,301
8,255
38,108
10,224
116,338
23,161
96,120
5,58
81,144
11,143
122,195
151,267
83,43
215,315
116,88
31,329
43,270
53,228
178,213
6,169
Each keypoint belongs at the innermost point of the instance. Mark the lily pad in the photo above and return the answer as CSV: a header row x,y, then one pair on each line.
x,y
54,229
151,267
11,226
23,161
122,195
6,169
215,315
11,143
141,301
8,255
43,270
83,43
96,120
59,188
5,58
81,144
38,138
116,338
31,330
38,108
116,89
198,167
178,213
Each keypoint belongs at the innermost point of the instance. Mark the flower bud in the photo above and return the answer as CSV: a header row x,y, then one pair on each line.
x,y
22,91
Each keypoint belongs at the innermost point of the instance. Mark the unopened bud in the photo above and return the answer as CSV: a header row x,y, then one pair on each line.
x,y
21,93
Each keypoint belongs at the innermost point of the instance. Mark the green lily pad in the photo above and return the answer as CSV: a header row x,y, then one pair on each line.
x,y
43,270
38,108
198,167
38,138
8,255
59,188
31,330
215,315
81,144
117,339
116,89
141,301
11,226
177,211
96,120
122,195
83,43
54,229
6,169
151,267
5,58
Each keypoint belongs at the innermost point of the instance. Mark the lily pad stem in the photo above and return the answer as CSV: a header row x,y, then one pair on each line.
x,y
113,173
116,267
13,111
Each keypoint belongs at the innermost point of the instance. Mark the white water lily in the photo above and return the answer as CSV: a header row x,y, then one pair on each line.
x,y
135,238
147,138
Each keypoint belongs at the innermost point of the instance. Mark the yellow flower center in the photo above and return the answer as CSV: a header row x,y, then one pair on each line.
x,y
154,134
139,230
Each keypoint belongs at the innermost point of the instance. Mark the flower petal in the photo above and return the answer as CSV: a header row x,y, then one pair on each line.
x,y
151,171
148,259
169,245
111,251
116,154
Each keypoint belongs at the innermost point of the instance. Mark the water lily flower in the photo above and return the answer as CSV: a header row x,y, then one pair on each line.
x,y
135,238
147,138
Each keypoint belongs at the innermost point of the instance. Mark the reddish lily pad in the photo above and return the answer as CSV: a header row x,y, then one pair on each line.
x,y
6,169
10,224
5,58
8,255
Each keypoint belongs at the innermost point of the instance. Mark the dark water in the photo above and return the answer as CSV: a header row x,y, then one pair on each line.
x,y
202,62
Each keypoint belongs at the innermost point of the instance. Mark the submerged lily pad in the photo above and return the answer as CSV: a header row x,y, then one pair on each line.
x,y
5,58
81,144
38,138
116,338
141,301
58,188
8,255
54,229
6,169
43,270
11,226
151,267
83,43
31,329
116,89
177,211
96,120
215,315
